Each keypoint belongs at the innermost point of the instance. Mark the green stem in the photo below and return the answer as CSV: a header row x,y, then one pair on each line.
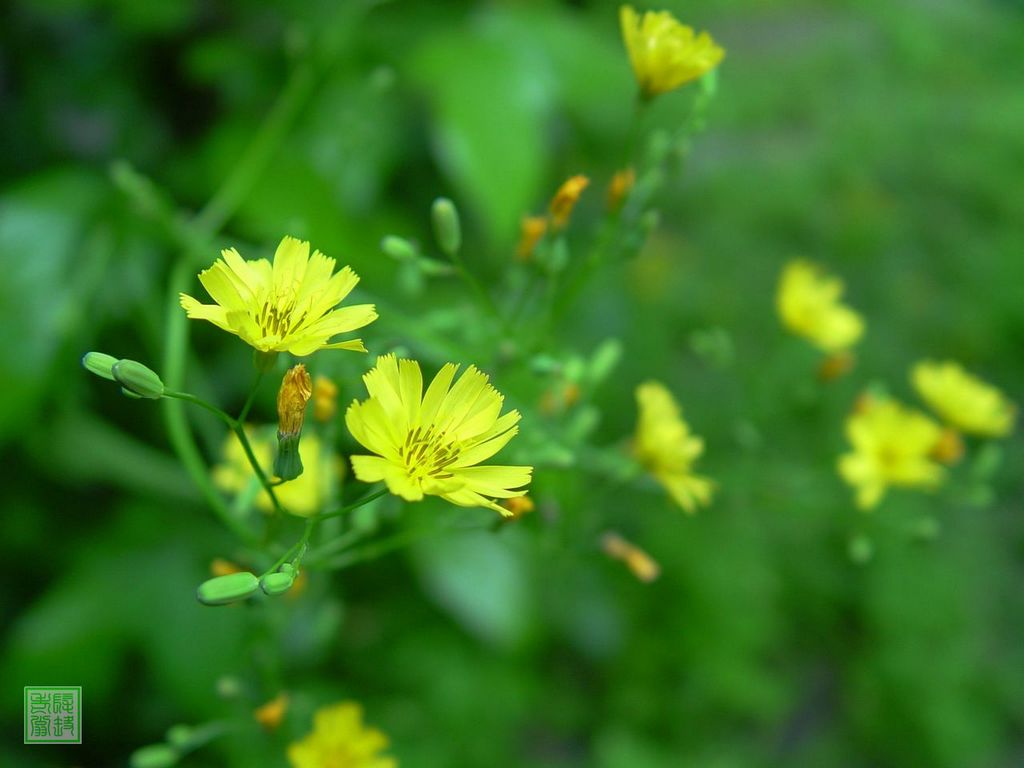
x,y
235,426
354,505
298,548
252,397
178,432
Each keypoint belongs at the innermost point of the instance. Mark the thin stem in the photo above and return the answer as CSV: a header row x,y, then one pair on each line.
x,y
252,397
298,548
190,398
354,505
178,432
477,286
235,426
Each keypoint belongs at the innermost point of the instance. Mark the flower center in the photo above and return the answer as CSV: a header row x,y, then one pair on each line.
x,y
428,454
279,318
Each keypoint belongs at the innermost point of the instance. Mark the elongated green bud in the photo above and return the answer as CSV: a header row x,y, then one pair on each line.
x,y
227,589
100,364
154,756
289,569
605,359
277,583
137,378
179,736
398,248
447,229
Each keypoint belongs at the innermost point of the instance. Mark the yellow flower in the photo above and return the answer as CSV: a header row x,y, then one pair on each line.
x,y
285,307
964,401
531,230
808,303
303,496
428,444
565,199
340,740
664,53
667,449
892,446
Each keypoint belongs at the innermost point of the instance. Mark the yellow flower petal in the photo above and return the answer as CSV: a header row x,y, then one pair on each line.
x,y
430,443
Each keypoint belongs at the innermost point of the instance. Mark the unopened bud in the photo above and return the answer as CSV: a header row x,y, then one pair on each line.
x,y
398,248
604,360
227,589
100,364
277,583
531,230
642,565
619,187
292,397
517,506
272,713
138,379
447,230
565,199
154,756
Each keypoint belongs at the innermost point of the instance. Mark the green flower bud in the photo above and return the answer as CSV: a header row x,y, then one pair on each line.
x,y
100,364
277,583
447,230
399,248
227,589
137,378
287,463
605,359
179,736
129,393
289,569
154,756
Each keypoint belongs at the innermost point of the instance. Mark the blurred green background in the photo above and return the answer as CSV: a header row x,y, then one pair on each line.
x,y
883,139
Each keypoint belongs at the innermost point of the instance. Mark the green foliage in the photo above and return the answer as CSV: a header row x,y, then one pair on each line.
x,y
786,628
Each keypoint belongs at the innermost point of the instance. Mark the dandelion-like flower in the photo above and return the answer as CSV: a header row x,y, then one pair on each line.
x,y
340,739
809,306
962,400
303,496
664,53
667,449
892,446
287,306
430,443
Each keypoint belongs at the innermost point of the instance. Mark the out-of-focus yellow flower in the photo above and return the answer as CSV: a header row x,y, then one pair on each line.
x,y
565,199
619,187
272,713
429,444
340,740
667,449
963,400
808,303
664,53
292,397
518,506
892,446
531,230
642,565
325,399
303,496
285,307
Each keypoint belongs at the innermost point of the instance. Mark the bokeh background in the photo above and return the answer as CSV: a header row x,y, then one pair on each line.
x,y
884,139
